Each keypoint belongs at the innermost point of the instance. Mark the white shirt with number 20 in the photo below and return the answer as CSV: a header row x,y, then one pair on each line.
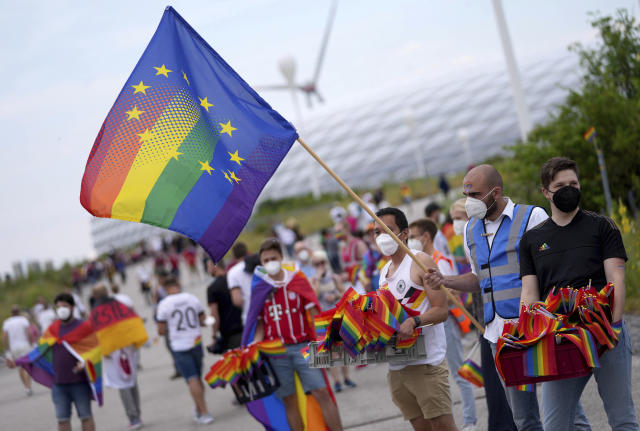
x,y
181,313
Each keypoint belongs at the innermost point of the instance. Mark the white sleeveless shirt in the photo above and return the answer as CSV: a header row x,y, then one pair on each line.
x,y
414,296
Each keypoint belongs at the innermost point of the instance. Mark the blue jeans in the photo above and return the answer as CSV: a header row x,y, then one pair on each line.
x,y
64,394
454,361
284,367
560,397
189,362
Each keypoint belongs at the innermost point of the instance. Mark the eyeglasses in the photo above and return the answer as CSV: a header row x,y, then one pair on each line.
x,y
322,262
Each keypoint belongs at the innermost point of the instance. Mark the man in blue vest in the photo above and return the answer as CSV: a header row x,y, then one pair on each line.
x,y
491,239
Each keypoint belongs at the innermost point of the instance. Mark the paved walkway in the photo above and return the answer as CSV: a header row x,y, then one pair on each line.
x,y
166,404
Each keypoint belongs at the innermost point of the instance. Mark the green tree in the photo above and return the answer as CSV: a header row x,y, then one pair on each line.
x,y
609,99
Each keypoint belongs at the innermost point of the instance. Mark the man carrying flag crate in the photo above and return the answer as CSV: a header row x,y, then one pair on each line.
x,y
282,306
420,388
577,248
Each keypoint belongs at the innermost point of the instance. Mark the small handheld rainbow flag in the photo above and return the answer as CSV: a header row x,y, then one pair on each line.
x,y
471,372
187,146
590,134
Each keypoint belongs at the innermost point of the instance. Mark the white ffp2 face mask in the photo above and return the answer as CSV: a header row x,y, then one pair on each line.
x,y
303,255
476,208
458,226
272,267
63,313
386,244
414,244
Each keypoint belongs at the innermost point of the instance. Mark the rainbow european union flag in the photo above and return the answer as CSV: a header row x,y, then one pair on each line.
x,y
187,146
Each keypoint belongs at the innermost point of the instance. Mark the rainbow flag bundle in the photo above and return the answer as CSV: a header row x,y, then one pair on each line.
x,y
242,362
363,322
187,146
579,316
471,371
82,343
117,326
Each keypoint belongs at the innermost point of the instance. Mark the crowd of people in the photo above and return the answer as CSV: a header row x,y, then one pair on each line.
x,y
487,250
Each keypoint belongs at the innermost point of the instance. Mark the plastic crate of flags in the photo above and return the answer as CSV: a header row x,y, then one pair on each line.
x,y
559,338
337,356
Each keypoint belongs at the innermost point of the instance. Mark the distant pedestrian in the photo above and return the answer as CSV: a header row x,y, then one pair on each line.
x,y
17,342
444,185
227,328
121,367
180,315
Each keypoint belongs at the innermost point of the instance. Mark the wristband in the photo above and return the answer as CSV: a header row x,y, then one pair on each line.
x,y
417,321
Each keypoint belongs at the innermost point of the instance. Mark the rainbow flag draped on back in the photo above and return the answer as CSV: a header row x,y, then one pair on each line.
x,y
187,146
82,343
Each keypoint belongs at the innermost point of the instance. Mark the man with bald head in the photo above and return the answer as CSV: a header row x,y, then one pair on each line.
x,y
491,239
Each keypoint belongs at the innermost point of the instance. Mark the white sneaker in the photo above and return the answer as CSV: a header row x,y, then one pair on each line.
x,y
469,427
204,419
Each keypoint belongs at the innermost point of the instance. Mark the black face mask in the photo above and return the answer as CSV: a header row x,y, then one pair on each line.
x,y
566,198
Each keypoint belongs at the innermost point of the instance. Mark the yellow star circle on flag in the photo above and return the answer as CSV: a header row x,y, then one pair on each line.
x,y
162,71
227,128
205,103
206,167
134,113
175,154
235,157
145,136
233,177
227,177
141,88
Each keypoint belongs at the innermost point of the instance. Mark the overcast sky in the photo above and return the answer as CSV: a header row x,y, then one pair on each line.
x,y
63,64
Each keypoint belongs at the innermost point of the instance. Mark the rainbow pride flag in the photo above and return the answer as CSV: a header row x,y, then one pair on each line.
x,y
187,146
471,371
590,134
82,343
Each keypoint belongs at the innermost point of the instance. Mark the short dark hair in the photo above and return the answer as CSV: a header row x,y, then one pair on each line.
x,y
425,225
65,297
431,208
239,250
171,281
400,218
554,165
270,244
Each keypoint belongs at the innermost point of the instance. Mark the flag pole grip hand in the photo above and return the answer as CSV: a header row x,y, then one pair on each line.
x,y
384,227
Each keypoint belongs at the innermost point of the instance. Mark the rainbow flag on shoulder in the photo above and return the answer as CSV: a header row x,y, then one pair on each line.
x,y
187,146
82,343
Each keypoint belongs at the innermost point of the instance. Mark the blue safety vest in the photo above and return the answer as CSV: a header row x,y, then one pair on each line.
x,y
498,267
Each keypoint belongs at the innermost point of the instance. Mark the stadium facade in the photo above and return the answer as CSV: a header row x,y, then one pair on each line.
x,y
445,126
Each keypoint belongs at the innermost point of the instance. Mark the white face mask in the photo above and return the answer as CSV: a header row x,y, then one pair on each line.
x,y
441,219
476,208
272,267
386,244
303,255
458,226
414,244
63,313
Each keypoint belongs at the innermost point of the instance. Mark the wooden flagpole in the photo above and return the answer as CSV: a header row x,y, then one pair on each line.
x,y
335,176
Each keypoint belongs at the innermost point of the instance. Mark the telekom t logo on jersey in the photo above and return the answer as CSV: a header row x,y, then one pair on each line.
x,y
275,311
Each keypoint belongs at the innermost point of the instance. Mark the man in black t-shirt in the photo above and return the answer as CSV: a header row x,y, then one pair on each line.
x,y
572,248
228,317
